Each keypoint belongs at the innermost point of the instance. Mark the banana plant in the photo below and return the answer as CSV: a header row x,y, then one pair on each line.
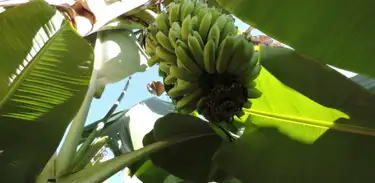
x,y
239,112
44,81
49,77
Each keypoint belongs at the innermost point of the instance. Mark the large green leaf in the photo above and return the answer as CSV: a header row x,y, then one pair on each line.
x,y
339,33
320,83
190,160
44,75
290,138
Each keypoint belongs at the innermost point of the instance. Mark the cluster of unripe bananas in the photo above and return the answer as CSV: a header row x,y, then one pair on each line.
x,y
205,64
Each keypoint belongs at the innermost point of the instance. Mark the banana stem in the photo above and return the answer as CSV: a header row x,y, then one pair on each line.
x,y
69,146
85,146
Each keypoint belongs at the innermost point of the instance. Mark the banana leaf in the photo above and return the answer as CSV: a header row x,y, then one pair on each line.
x,y
45,71
336,32
291,138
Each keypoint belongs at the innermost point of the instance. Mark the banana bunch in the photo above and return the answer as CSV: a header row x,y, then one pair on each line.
x,y
206,65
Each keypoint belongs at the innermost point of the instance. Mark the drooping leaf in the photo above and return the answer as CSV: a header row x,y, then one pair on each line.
x,y
120,55
44,75
323,30
190,160
290,138
320,83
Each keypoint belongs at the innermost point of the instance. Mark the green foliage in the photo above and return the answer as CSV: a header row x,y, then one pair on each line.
x,y
44,75
190,160
323,30
290,137
319,83
266,155
311,123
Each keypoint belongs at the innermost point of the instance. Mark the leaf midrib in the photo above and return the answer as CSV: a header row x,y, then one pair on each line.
x,y
313,122
25,72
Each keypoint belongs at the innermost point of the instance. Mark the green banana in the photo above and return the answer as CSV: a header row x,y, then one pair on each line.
x,y
221,21
186,61
149,50
165,67
215,14
198,7
186,27
173,37
240,54
204,26
198,36
170,6
175,26
192,97
162,22
209,57
150,43
169,80
253,93
246,66
162,73
196,49
180,64
152,31
182,89
153,60
214,35
229,29
164,41
186,9
250,74
183,74
182,44
248,103
194,22
174,13
225,52
230,18
165,55
251,84
202,12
